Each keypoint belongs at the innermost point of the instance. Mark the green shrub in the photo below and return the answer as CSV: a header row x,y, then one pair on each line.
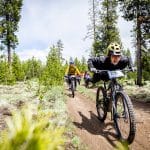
x,y
131,75
6,75
76,141
26,133
146,75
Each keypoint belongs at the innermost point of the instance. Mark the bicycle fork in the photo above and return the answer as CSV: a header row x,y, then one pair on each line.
x,y
114,110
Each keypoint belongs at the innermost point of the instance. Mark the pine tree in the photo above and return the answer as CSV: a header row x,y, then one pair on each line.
x,y
83,64
6,77
59,47
93,26
3,70
108,31
54,71
77,62
32,68
127,53
139,12
17,69
9,18
146,66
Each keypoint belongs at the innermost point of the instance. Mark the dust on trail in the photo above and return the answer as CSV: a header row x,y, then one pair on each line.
x,y
101,136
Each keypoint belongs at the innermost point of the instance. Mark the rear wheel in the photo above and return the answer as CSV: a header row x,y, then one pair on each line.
x,y
124,118
73,88
101,104
88,83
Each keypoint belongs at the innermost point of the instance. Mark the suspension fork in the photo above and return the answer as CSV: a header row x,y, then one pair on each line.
x,y
113,88
113,99
113,105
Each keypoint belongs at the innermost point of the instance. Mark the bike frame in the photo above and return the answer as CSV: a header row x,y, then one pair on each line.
x,y
73,77
112,86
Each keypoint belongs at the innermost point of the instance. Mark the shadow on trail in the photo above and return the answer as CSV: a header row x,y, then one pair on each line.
x,y
94,126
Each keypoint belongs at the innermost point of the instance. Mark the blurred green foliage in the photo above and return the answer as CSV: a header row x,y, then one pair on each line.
x,y
27,133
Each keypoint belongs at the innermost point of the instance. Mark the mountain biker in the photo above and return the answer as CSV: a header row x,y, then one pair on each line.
x,y
86,77
86,74
113,61
71,70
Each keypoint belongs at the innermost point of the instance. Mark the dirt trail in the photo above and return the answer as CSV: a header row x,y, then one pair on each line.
x,y
101,136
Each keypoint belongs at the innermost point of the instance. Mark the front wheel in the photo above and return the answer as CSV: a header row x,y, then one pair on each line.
x,y
73,88
124,117
101,105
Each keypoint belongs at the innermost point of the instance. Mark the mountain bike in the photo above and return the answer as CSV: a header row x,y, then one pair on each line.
x,y
78,79
73,84
87,81
112,98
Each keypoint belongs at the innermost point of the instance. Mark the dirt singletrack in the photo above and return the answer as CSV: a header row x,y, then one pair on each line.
x,y
102,136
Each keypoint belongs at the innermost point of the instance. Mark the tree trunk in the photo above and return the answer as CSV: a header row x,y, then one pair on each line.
x,y
9,53
107,30
8,40
139,54
94,27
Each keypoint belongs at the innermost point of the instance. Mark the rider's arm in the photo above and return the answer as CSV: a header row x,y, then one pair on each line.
x,y
95,62
126,61
77,71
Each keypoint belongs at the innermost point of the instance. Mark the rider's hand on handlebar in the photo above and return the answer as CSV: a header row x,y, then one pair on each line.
x,y
93,70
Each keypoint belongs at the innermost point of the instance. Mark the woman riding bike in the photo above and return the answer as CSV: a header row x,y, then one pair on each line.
x,y
111,97
71,70
113,61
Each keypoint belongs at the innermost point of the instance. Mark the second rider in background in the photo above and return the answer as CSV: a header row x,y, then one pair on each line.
x,y
72,70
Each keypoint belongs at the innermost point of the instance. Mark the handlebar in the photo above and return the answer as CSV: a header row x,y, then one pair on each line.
x,y
126,70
